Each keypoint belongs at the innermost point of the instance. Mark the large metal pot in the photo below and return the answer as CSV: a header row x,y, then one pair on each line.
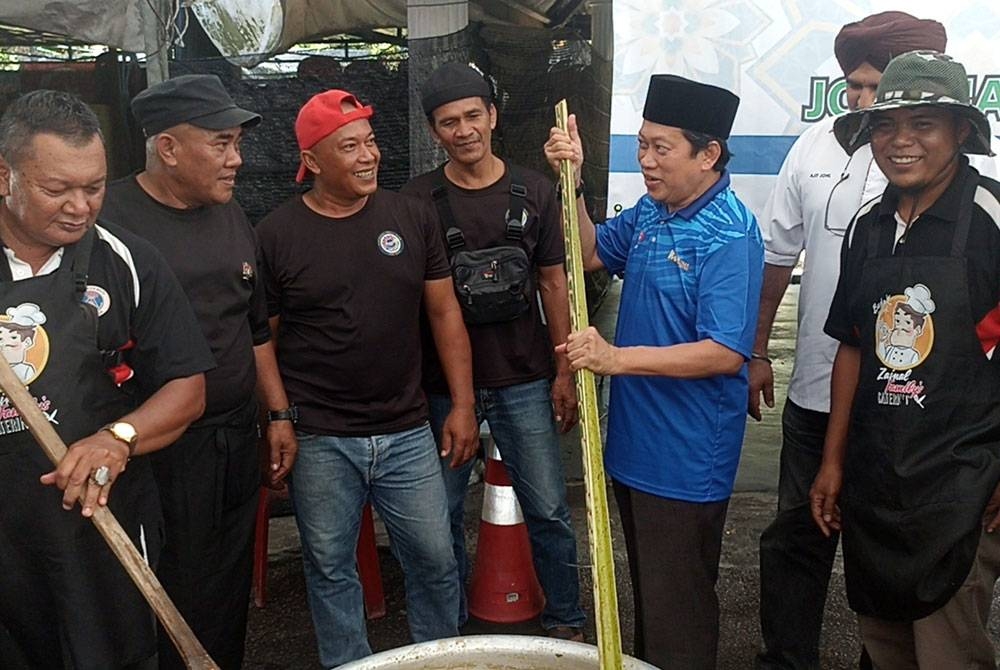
x,y
491,652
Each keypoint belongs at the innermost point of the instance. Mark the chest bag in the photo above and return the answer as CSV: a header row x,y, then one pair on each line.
x,y
491,284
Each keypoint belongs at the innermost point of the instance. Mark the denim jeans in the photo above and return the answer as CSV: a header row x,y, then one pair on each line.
x,y
521,422
400,473
795,557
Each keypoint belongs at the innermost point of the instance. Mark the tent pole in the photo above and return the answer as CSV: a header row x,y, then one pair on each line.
x,y
437,34
155,14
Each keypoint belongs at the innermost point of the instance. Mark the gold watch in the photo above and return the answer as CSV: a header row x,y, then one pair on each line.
x,y
124,432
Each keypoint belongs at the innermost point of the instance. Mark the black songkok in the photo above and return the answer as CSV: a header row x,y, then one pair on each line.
x,y
690,105
879,38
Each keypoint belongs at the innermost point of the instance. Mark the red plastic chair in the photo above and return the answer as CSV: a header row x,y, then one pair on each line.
x,y
368,567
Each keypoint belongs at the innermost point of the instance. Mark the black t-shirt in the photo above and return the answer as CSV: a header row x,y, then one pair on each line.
x,y
512,352
212,251
929,235
146,313
348,295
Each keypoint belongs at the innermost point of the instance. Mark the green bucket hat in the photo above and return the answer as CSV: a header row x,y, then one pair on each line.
x,y
912,79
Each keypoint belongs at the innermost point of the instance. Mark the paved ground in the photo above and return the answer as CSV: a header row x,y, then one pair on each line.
x,y
281,635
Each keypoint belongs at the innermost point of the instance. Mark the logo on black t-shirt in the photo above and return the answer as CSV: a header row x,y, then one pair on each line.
x,y
98,298
390,243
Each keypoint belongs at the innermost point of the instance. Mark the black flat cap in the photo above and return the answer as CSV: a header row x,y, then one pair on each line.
x,y
198,99
450,82
690,105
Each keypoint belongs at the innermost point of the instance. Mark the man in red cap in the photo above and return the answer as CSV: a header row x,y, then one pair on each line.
x,y
818,189
182,202
347,266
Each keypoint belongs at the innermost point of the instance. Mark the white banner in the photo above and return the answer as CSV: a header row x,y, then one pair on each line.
x,y
777,55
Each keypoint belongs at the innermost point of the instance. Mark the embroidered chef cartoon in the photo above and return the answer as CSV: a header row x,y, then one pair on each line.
x,y
904,333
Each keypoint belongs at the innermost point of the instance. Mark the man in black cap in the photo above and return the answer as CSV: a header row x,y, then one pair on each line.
x,y
498,215
183,203
911,460
692,259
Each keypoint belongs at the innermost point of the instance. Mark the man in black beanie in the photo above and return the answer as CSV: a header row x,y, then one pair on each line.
x,y
495,212
692,259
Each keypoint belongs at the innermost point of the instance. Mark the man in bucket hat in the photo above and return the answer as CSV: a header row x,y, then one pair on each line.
x,y
182,202
347,266
817,191
692,259
911,460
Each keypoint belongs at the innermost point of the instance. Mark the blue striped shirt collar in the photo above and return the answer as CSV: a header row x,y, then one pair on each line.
x,y
692,210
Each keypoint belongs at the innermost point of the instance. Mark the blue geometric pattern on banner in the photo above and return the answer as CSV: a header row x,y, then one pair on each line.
x,y
752,154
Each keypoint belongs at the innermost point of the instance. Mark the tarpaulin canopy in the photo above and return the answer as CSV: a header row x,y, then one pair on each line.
x,y
254,29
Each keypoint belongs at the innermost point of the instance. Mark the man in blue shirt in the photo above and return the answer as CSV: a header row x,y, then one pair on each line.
x,y
692,258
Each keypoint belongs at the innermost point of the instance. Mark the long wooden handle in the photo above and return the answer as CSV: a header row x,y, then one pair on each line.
x,y
609,641
190,650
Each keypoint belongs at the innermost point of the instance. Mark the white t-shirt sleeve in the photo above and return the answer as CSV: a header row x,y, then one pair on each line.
x,y
985,165
782,223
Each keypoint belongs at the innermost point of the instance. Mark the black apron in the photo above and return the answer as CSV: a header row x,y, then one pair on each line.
x,y
923,451
64,597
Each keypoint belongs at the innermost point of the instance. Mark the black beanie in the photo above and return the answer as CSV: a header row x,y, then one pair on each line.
x,y
450,82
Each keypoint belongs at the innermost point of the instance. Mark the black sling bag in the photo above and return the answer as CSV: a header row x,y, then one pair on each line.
x,y
491,284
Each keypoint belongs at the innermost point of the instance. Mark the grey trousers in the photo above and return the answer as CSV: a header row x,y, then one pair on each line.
x,y
952,638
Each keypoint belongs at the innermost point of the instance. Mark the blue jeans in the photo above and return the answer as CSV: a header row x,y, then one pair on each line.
x,y
332,479
521,423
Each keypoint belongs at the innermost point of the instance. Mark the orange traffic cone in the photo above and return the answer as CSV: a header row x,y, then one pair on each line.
x,y
504,587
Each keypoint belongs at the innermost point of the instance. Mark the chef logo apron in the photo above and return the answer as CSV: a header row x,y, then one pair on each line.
x,y
904,332
53,562
923,452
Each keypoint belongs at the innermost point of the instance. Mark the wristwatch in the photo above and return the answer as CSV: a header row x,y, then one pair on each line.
x,y
290,413
580,190
124,432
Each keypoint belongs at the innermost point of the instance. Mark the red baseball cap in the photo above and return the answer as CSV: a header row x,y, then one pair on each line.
x,y
324,114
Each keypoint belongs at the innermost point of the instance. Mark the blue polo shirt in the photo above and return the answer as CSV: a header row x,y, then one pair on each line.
x,y
690,275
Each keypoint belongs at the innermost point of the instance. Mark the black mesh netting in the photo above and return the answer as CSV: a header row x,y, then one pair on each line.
x,y
532,70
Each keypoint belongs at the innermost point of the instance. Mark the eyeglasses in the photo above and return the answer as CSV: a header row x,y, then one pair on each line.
x,y
845,174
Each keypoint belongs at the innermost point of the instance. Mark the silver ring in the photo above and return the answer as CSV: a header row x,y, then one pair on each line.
x,y
101,476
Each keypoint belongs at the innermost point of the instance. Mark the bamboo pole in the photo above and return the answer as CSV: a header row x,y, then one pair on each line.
x,y
609,642
190,650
